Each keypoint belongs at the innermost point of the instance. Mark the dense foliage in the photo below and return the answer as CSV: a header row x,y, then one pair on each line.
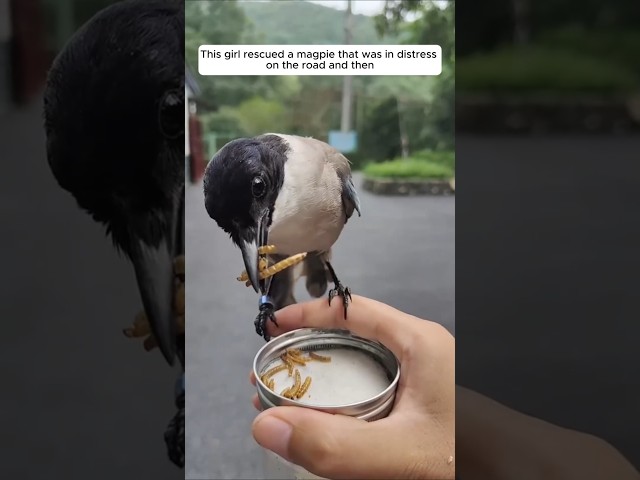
x,y
393,116
581,46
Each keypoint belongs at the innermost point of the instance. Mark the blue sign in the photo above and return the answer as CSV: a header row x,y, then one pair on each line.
x,y
344,142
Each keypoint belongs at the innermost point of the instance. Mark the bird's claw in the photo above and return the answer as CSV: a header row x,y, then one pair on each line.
x,y
267,312
343,292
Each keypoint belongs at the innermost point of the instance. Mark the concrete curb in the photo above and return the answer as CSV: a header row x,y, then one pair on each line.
x,y
518,114
410,187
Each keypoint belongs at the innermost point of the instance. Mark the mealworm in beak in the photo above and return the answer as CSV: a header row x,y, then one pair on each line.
x,y
266,249
275,268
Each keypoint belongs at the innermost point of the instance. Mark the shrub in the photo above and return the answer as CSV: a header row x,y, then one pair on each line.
x,y
530,68
409,168
443,157
619,46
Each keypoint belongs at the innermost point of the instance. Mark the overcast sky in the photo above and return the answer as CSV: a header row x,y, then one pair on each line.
x,y
365,7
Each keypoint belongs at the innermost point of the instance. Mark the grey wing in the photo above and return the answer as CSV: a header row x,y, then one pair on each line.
x,y
341,164
350,200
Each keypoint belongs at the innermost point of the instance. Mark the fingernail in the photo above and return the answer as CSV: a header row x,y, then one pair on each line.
x,y
273,434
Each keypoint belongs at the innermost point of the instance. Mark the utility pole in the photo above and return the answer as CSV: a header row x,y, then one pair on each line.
x,y
347,92
522,33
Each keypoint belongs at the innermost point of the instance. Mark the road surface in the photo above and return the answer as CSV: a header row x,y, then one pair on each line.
x,y
80,399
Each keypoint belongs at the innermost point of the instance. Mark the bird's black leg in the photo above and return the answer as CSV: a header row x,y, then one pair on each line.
x,y
267,312
339,290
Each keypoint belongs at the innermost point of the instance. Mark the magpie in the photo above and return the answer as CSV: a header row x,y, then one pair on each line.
x,y
114,112
294,193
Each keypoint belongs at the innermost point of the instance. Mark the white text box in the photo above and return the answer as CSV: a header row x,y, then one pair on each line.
x,y
320,60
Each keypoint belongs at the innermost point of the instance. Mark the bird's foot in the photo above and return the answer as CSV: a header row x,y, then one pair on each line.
x,y
339,290
141,326
267,312
343,292
174,434
265,271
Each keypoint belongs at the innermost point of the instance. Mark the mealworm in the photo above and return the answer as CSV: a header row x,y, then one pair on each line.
x,y
296,356
281,265
275,268
298,361
266,249
141,319
296,383
140,327
304,387
262,264
271,372
272,384
295,353
178,300
285,358
318,357
150,343
178,267
285,392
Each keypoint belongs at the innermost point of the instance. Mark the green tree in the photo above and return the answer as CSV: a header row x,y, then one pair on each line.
x,y
259,115
429,124
223,22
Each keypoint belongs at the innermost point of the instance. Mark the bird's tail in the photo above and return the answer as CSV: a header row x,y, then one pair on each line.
x,y
313,267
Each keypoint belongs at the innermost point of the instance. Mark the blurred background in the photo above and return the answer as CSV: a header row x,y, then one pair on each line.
x,y
81,400
547,125
396,131
395,117
548,67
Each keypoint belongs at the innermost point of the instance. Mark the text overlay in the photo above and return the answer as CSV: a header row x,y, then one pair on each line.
x,y
320,60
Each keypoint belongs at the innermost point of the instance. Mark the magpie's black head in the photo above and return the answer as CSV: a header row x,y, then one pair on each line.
x,y
241,185
114,119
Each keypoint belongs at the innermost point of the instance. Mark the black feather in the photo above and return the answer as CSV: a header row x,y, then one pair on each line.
x,y
228,179
112,102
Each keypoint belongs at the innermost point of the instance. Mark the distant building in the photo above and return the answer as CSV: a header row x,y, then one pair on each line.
x,y
23,51
32,32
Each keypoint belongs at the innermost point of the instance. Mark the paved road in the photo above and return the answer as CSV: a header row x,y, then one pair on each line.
x,y
79,399
401,251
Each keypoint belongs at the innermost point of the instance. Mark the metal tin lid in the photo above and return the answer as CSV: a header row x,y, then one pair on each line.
x,y
331,341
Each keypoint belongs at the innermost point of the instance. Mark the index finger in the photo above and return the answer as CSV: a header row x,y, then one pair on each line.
x,y
365,317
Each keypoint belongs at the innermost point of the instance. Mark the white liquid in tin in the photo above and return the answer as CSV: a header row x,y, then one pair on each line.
x,y
352,376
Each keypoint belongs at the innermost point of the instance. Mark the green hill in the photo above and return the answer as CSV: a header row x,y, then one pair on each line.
x,y
297,22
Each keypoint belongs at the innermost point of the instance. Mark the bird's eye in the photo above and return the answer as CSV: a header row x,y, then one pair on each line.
x,y
172,114
258,187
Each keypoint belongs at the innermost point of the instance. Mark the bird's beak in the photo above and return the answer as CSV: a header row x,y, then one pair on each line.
x,y
249,250
154,272
155,275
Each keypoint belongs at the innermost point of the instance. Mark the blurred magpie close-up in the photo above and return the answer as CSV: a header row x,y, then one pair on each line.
x,y
292,193
114,120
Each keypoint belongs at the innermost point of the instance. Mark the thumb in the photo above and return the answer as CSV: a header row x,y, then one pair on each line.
x,y
333,446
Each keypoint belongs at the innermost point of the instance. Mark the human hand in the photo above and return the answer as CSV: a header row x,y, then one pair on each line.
x,y
417,439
